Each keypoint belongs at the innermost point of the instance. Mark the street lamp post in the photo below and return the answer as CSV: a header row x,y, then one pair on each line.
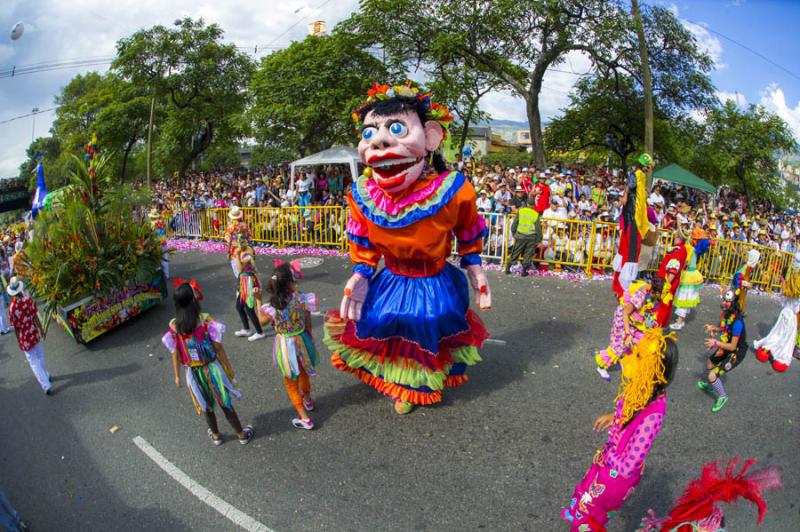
x,y
33,127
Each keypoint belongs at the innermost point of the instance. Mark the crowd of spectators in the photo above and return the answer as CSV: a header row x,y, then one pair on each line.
x,y
576,193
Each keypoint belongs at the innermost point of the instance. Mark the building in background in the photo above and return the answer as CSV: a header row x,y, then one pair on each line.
x,y
318,28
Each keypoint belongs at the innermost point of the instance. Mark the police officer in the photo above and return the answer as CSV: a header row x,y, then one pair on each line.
x,y
527,230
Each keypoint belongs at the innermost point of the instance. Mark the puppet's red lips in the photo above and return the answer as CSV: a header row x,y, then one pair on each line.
x,y
389,168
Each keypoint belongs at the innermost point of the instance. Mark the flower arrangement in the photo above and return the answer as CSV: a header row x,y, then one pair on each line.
x,y
433,110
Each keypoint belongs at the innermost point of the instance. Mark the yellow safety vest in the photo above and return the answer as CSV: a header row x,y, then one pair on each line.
x,y
527,221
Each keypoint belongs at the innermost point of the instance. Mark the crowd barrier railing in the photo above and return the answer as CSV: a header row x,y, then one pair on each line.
x,y
572,244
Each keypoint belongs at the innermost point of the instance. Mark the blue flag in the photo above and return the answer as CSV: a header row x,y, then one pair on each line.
x,y
41,191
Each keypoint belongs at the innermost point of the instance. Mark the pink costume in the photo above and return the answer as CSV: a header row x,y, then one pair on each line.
x,y
617,468
636,295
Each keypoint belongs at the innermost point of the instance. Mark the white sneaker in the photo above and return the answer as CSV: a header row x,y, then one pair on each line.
x,y
243,332
677,326
603,373
256,336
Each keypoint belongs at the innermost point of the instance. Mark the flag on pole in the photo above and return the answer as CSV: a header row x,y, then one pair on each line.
x,y
41,190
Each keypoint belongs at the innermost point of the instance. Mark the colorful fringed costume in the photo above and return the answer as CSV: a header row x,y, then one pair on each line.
x,y
782,342
673,263
617,467
293,352
248,278
640,318
633,225
688,294
207,380
697,510
416,334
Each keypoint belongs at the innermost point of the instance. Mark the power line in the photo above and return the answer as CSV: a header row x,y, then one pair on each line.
x,y
295,24
27,115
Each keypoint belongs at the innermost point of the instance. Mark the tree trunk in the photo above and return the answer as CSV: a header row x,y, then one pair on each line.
x,y
150,139
535,118
648,86
125,155
197,149
463,140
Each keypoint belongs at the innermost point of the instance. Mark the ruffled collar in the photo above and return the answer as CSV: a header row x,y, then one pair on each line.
x,y
386,211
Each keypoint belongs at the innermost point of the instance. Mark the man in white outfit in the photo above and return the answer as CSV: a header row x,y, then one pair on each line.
x,y
28,328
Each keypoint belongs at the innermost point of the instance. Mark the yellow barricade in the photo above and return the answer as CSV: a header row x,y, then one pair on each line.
x,y
313,226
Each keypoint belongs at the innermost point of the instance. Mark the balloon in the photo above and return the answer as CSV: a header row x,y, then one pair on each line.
x,y
17,30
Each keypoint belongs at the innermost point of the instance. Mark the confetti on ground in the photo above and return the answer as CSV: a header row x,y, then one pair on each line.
x,y
113,430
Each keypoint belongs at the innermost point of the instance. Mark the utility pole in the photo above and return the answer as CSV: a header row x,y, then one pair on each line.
x,y
33,127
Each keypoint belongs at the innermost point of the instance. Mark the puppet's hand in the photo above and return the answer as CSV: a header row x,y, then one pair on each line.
x,y
355,292
480,285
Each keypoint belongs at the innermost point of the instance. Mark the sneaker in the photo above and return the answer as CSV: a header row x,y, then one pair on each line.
x,y
721,401
49,392
248,432
243,332
300,423
677,326
256,336
705,387
216,441
603,373
308,404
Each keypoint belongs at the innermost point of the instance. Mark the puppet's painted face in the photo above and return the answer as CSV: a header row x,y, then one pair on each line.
x,y
395,146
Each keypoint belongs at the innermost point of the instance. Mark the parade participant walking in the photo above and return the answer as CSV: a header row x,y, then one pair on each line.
x,y
727,348
634,315
633,225
740,282
4,324
527,230
235,231
671,267
245,262
293,352
688,295
160,229
195,341
781,344
640,409
22,313
407,331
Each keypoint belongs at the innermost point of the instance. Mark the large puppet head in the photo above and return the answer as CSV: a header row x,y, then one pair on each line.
x,y
400,126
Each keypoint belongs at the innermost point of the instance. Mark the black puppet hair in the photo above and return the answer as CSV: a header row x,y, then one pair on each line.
x,y
187,309
670,365
403,104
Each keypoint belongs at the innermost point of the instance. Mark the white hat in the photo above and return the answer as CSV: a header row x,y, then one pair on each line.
x,y
524,169
753,257
512,171
235,213
15,286
519,189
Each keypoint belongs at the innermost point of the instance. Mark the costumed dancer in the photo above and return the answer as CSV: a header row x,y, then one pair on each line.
x,y
633,225
727,350
160,229
783,342
527,231
245,262
293,352
634,315
691,283
195,341
407,330
640,408
235,230
740,282
697,510
24,318
671,267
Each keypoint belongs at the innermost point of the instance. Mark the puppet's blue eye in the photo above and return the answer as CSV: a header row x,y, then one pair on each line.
x,y
367,133
398,129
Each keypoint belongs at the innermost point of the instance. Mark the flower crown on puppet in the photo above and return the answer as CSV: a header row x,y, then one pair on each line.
x,y
649,372
195,287
433,110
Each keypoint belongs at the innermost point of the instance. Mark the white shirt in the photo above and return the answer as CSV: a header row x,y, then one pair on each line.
x,y
303,185
484,204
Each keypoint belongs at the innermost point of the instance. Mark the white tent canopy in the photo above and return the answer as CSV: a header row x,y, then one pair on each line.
x,y
334,155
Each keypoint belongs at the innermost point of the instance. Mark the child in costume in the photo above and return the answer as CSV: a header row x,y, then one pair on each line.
x,y
160,229
688,294
407,330
245,264
783,342
235,231
195,341
727,350
740,282
293,351
633,426
696,510
670,270
634,315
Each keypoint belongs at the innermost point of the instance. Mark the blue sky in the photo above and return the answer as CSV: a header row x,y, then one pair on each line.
x,y
57,30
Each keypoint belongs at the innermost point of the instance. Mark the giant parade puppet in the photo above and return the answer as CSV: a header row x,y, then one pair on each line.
x,y
407,329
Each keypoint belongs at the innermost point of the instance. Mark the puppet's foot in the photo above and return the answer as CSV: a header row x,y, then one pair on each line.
x,y
402,407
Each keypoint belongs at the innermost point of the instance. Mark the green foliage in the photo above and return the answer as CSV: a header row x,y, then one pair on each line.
x,y
54,174
93,243
303,95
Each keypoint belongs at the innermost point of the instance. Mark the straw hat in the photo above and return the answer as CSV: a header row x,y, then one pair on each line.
x,y
15,286
153,214
235,213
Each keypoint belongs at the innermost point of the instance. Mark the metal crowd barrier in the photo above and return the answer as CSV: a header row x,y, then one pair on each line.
x,y
572,244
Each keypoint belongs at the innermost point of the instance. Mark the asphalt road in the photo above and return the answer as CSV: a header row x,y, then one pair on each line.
x,y
503,452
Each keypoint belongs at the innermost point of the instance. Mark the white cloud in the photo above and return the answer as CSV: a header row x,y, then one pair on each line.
x,y
707,42
773,99
735,97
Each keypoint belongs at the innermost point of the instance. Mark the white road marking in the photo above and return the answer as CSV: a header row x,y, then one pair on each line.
x,y
236,516
495,342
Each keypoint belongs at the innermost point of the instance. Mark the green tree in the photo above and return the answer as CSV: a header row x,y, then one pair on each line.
x,y
741,148
303,95
202,80
50,149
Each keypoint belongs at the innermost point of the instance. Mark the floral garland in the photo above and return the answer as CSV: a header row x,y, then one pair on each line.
x,y
433,110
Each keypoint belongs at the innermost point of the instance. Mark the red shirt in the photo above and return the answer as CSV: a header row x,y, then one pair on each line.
x,y
543,200
22,314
